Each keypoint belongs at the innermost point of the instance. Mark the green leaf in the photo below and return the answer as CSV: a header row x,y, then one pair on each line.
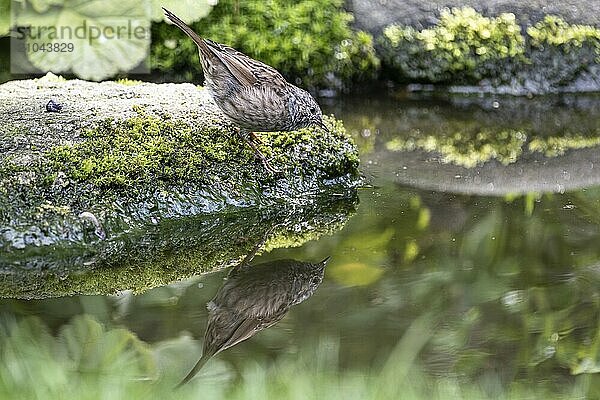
x,y
188,10
93,39
42,6
4,17
92,349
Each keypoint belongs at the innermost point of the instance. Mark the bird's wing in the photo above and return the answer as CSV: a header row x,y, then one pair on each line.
x,y
248,71
245,330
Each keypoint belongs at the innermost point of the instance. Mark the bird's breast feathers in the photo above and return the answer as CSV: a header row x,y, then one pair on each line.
x,y
264,108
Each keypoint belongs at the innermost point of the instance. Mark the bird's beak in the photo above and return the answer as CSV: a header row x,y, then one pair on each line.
x,y
325,260
322,125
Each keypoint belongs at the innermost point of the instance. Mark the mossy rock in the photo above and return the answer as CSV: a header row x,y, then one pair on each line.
x,y
120,158
494,53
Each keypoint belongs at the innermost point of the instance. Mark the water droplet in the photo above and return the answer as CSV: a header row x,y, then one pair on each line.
x,y
512,298
549,351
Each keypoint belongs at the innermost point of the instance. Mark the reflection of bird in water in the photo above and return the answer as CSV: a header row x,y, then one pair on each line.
x,y
254,298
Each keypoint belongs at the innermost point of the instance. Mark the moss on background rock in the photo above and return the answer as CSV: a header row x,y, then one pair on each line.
x,y
466,47
309,41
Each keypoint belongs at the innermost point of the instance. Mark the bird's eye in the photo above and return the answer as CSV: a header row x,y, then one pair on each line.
x,y
313,110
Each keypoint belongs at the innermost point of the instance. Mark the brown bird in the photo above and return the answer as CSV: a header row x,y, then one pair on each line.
x,y
253,95
254,298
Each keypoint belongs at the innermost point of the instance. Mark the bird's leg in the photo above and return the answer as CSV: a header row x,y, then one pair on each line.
x,y
256,138
250,256
245,135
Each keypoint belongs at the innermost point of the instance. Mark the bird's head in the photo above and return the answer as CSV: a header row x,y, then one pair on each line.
x,y
305,111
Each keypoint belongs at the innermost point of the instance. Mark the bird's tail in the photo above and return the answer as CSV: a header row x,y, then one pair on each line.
x,y
203,360
184,27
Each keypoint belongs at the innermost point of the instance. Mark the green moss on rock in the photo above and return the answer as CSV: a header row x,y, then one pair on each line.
x,y
140,150
554,31
147,149
466,47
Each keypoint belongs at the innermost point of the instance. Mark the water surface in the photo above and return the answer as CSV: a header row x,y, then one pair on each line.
x,y
470,269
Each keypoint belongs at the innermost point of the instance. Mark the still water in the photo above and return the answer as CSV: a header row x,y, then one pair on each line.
x,y
468,267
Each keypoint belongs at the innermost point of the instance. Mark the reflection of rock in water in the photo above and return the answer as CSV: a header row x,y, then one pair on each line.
x,y
574,170
254,298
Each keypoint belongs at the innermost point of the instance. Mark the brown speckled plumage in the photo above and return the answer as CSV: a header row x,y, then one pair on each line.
x,y
253,95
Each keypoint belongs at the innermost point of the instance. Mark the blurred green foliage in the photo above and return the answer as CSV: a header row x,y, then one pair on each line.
x,y
309,41
88,361
76,363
